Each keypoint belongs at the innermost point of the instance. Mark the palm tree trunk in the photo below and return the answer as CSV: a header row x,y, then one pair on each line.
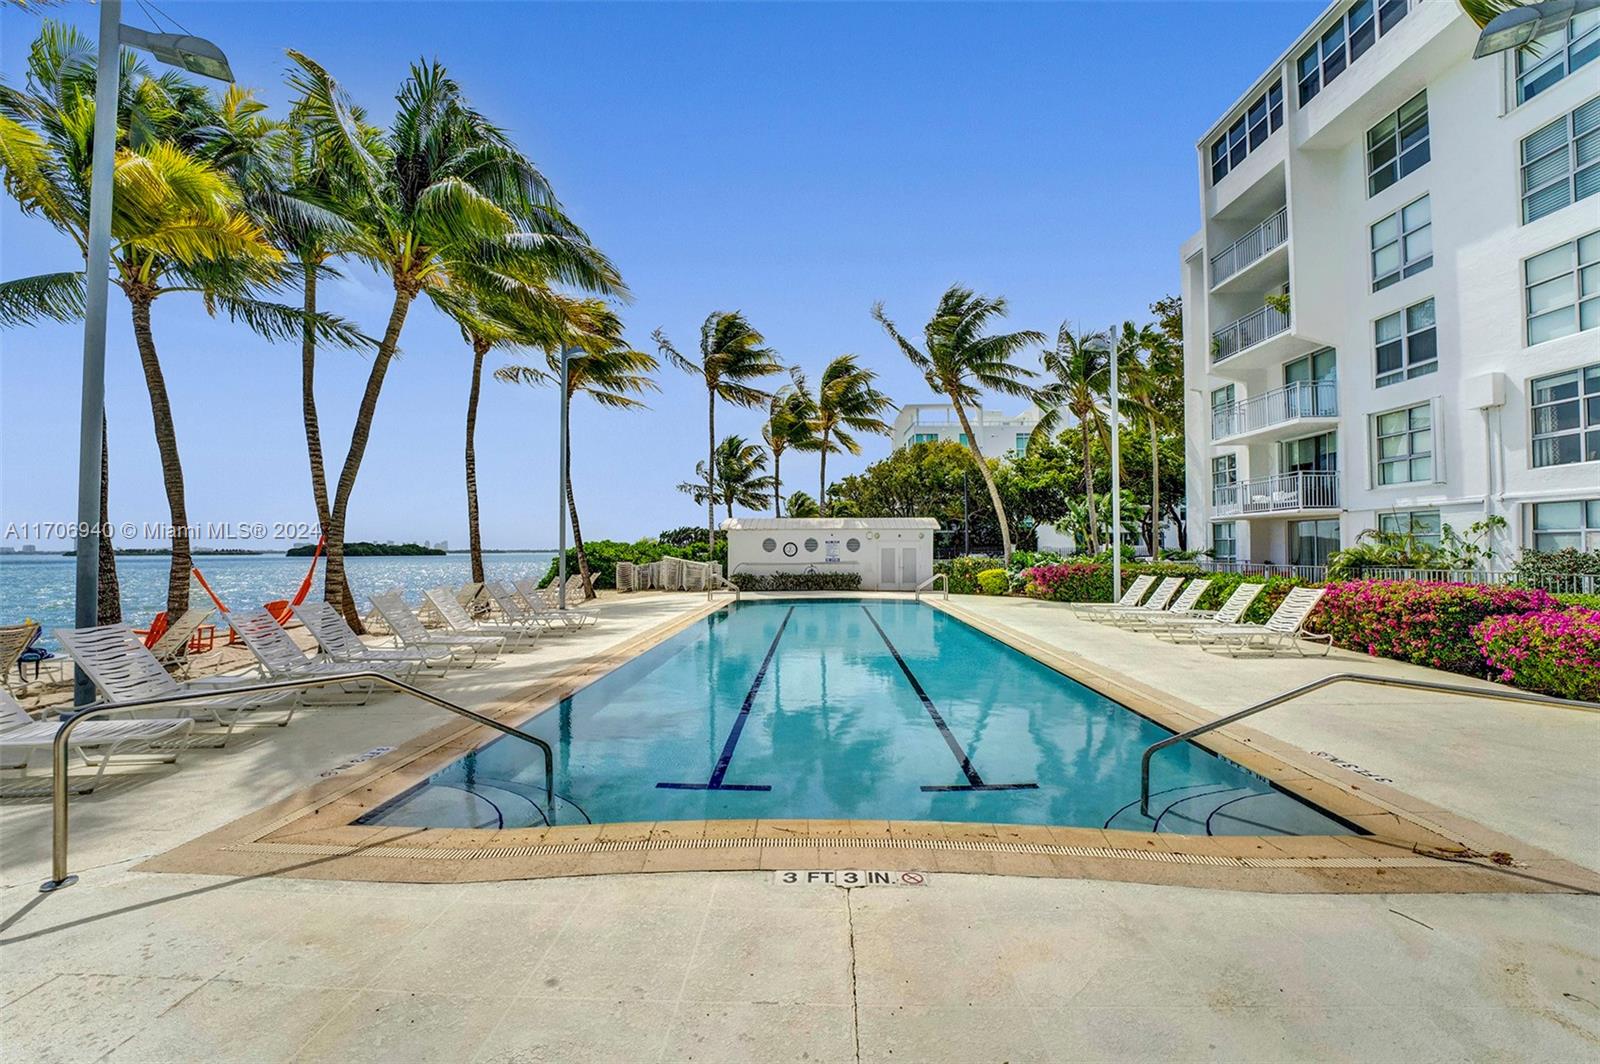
x,y
178,576
1155,493
333,575
777,482
1088,491
308,402
822,477
988,481
711,473
572,514
474,536
108,602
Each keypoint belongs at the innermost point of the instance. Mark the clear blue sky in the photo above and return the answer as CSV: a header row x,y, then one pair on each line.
x,y
796,162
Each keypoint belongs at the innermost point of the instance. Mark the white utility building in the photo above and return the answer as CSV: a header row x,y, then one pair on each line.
x,y
890,553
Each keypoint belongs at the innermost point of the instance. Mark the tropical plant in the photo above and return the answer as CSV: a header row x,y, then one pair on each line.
x,y
847,403
790,412
1483,11
731,355
1154,392
802,505
1079,378
1374,549
601,365
959,360
737,477
442,198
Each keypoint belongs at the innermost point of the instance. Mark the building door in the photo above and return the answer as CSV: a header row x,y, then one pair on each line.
x,y
909,576
1312,542
886,569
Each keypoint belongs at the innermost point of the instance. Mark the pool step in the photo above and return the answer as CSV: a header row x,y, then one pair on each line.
x,y
1207,809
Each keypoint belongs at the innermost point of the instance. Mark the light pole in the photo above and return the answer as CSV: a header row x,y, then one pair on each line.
x,y
197,56
1116,480
1520,25
561,515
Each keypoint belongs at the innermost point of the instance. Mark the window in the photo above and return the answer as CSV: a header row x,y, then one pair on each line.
x,y
1022,444
925,437
1310,75
1221,398
1224,542
1407,344
1423,526
1402,244
1344,42
1566,417
1562,288
1558,53
1397,145
1310,454
964,441
1363,29
1558,525
1224,471
1261,119
1561,162
1312,542
1391,12
1405,446
1333,59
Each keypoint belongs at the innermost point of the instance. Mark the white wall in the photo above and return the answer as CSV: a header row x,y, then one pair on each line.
x,y
836,550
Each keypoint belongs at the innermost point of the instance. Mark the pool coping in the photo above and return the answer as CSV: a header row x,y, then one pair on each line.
x,y
1413,846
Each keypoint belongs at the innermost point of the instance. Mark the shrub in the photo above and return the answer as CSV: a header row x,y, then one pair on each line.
x,y
1587,601
797,581
604,554
994,582
963,571
1272,595
1533,564
1423,622
1069,582
1556,651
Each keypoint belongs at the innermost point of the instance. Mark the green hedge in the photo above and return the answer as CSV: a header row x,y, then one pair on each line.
x,y
994,582
963,572
797,581
604,554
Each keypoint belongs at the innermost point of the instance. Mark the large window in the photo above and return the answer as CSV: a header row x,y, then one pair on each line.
x,y
1558,525
1557,54
1424,526
1407,343
1260,120
1405,445
1561,162
1310,454
1398,145
1562,289
1312,542
925,437
1402,243
1224,473
1344,42
1022,444
1224,542
1566,417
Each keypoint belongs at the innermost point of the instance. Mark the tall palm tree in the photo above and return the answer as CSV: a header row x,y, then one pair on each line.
x,y
1078,380
959,361
802,505
738,476
606,369
732,353
1153,390
443,196
788,426
847,403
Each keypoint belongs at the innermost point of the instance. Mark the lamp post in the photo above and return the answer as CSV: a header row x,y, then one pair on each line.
x,y
197,56
1518,26
1116,480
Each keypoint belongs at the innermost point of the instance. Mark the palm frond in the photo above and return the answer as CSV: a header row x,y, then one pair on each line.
x,y
52,296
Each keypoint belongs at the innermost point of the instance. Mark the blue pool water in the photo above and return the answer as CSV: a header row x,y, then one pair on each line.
x,y
878,710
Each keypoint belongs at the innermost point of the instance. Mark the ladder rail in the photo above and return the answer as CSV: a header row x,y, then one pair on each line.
x,y
926,584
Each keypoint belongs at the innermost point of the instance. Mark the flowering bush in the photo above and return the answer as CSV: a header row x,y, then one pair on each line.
x,y
963,571
1069,582
1423,622
1556,651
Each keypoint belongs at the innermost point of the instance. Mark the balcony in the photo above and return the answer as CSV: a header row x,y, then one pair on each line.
x,y
1251,248
1258,326
1289,407
1279,493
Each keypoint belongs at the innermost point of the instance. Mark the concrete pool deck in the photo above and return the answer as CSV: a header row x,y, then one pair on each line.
x,y
133,965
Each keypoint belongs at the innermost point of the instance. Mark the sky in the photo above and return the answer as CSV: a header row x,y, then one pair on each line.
x,y
797,162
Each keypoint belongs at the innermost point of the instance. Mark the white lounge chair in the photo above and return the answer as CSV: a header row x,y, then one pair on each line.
x,y
125,671
455,618
282,659
1282,629
339,643
469,649
1163,594
14,639
1130,598
171,648
21,737
1136,620
1177,625
513,610
541,605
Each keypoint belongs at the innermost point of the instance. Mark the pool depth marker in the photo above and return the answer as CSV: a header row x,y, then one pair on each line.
x,y
721,771
974,781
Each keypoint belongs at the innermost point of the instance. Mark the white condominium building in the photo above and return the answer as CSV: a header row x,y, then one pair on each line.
x,y
1392,308
998,434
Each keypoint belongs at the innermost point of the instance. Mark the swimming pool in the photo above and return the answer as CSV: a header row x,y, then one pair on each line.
x,y
846,709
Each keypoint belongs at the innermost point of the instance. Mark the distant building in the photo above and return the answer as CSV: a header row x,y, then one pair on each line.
x,y
8,550
29,548
997,433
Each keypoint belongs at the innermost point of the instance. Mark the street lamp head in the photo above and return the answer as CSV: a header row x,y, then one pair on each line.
x,y
194,54
1517,27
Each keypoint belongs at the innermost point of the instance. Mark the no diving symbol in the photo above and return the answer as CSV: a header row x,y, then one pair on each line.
x,y
911,879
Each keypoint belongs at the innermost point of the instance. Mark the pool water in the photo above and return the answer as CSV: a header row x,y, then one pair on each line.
x,y
847,709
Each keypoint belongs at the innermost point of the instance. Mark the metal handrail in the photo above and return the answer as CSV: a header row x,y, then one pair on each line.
x,y
1343,677
716,581
930,582
58,792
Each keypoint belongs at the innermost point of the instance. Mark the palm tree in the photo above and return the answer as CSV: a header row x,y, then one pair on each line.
x,y
738,476
846,403
788,426
958,361
1154,391
606,369
802,505
1483,12
443,197
732,353
1079,378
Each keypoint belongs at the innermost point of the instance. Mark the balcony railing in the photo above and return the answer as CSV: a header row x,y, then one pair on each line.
x,y
1277,493
1246,332
1270,234
1302,399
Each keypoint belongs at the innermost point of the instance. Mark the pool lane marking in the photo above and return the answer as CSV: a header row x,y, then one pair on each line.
x,y
721,771
974,781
